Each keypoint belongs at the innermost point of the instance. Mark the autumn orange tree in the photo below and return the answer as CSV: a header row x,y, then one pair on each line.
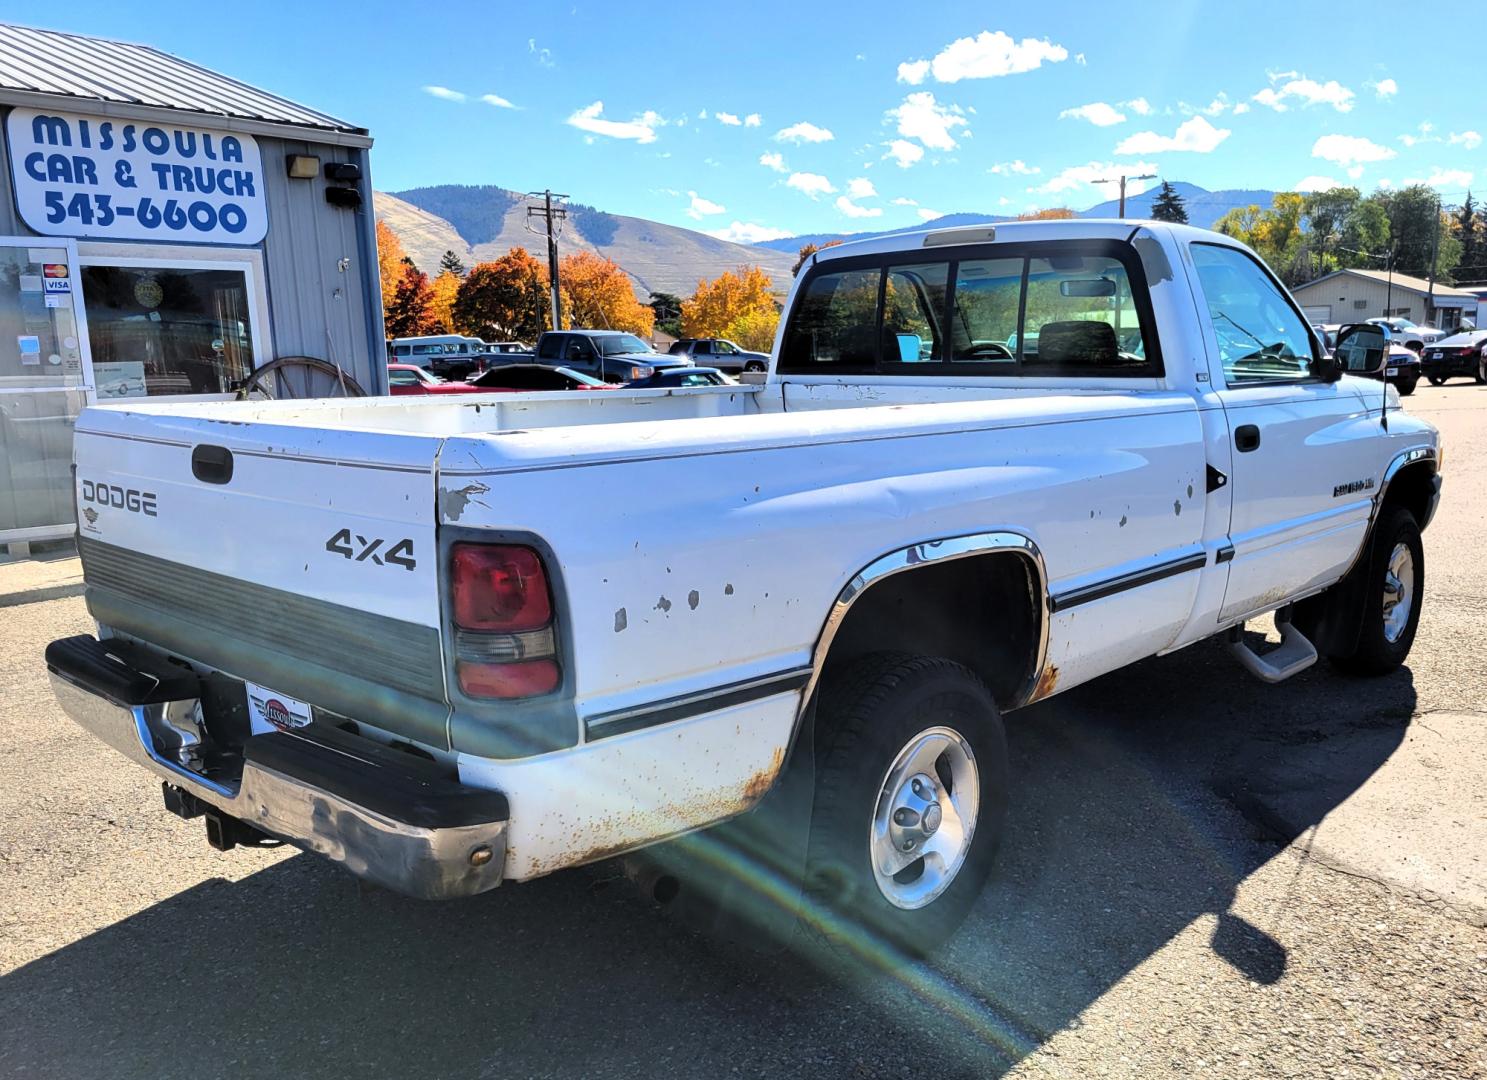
x,y
445,288
737,305
806,252
598,295
1053,213
410,312
390,256
505,299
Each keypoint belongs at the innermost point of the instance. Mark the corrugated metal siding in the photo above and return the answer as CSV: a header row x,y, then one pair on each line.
x,y
49,62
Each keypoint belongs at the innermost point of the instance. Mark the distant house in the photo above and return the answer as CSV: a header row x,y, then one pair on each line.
x,y
1346,296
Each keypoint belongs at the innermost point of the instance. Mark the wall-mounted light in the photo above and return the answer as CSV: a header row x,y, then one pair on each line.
x,y
303,166
346,197
342,170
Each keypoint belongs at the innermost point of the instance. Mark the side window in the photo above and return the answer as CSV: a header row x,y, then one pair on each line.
x,y
1260,337
913,311
835,323
551,347
983,325
705,347
402,378
724,348
400,350
1080,315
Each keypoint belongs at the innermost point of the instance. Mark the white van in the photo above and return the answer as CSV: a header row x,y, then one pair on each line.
x,y
452,356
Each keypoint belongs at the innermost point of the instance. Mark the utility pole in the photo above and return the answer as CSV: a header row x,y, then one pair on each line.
x,y
1435,245
1122,181
552,219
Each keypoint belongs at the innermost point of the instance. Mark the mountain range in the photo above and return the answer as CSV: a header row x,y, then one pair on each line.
x,y
482,222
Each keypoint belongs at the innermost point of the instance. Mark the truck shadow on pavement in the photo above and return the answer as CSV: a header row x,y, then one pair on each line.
x,y
1142,801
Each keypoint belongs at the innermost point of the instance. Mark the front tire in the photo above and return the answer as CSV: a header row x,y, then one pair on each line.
x,y
1406,387
1482,370
911,795
1393,588
756,365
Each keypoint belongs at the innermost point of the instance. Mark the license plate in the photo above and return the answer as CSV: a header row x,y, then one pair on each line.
x,y
269,710
1391,371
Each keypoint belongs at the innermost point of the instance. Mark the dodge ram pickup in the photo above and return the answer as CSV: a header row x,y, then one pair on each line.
x,y
454,642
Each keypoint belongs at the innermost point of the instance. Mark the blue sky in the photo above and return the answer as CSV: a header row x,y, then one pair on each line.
x,y
768,119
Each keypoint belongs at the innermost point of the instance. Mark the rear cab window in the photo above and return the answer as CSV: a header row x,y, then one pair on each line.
x,y
1043,309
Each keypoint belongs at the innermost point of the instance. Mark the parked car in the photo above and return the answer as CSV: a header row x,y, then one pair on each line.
x,y
1408,334
611,355
537,377
525,646
720,353
409,379
1460,354
450,356
682,376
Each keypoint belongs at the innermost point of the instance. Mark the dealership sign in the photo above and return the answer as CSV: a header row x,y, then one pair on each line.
x,y
87,176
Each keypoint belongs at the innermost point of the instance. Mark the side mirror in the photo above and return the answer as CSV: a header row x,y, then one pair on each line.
x,y
1360,350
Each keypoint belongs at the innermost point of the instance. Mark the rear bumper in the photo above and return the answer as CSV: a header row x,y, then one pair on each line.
x,y
374,810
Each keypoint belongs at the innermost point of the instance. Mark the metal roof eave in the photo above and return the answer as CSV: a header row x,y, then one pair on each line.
x,y
27,99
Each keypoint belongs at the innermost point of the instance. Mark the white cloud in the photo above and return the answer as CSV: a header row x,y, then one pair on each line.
x,y
1384,88
1096,112
1355,171
852,210
1424,128
497,100
702,114
1078,177
443,93
803,132
701,207
926,214
1196,135
901,201
921,117
913,71
1241,108
904,152
1019,167
743,232
1140,106
542,56
1315,183
811,184
986,56
1217,107
1350,150
752,120
1443,178
773,161
642,128
861,188
1304,91
1080,60
1470,140
727,118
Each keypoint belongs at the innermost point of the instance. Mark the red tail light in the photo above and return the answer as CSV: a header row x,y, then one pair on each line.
x,y
505,646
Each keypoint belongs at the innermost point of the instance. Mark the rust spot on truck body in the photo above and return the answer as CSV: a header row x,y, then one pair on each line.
x,y
1047,683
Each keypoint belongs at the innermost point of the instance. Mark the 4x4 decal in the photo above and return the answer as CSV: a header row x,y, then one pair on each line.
x,y
399,553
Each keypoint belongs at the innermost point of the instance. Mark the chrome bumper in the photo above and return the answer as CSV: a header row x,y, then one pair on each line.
x,y
431,861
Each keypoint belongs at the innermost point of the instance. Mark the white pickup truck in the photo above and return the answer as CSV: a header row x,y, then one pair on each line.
x,y
453,642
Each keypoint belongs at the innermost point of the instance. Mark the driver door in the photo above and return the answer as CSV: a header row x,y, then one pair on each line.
x,y
1301,491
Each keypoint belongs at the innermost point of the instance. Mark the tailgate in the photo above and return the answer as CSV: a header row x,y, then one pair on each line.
x,y
302,558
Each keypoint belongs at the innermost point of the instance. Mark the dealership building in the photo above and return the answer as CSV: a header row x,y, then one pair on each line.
x,y
164,230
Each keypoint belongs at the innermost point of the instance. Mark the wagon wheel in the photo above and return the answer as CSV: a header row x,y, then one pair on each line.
x,y
297,378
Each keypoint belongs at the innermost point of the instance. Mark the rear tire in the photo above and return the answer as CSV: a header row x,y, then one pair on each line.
x,y
1393,589
1482,370
756,365
1407,387
911,757
1437,380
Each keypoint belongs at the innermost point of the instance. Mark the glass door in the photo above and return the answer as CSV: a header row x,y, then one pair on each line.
x,y
45,381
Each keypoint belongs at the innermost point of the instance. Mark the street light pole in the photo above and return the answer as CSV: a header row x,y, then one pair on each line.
x,y
1122,181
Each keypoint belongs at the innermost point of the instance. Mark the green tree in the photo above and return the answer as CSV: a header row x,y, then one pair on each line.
x,y
1471,230
1326,214
668,309
1365,233
451,262
1169,205
1420,235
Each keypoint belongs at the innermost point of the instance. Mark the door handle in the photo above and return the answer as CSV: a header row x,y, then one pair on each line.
x,y
1246,438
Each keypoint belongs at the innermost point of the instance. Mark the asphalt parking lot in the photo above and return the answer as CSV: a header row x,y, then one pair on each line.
x,y
1202,875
